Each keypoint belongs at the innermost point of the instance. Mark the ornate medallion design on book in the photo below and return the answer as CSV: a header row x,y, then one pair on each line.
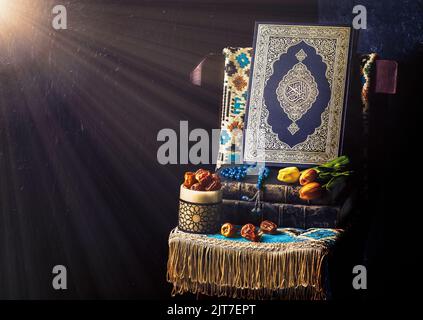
x,y
297,94
297,91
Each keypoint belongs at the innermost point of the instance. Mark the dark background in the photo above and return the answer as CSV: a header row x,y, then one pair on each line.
x,y
80,110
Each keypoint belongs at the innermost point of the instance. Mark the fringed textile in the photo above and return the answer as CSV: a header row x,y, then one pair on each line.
x,y
288,265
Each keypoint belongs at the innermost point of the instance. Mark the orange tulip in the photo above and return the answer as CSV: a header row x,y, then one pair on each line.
x,y
308,176
311,191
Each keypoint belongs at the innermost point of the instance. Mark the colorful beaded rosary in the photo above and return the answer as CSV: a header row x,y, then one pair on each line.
x,y
368,63
239,173
367,70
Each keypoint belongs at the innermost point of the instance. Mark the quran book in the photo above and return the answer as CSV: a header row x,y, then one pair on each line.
x,y
297,94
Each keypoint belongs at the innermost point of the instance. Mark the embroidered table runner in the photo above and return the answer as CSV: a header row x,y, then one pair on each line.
x,y
287,265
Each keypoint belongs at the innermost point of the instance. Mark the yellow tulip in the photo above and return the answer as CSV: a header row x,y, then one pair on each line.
x,y
289,175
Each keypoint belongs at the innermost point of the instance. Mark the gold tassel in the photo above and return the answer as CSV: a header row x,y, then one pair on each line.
x,y
205,265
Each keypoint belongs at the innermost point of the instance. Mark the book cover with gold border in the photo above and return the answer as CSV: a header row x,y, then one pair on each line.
x,y
297,94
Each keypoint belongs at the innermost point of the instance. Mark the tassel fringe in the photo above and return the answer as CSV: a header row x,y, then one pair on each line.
x,y
204,265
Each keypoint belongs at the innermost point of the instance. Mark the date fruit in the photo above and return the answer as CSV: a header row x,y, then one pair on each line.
x,y
228,230
197,187
215,183
267,226
203,176
202,180
189,179
248,232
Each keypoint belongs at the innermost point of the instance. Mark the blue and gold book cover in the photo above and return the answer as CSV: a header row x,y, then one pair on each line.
x,y
297,94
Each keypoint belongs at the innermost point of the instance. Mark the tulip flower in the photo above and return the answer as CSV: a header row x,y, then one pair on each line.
x,y
311,191
289,175
307,176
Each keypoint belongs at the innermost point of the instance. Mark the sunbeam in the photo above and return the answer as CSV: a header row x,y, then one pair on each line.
x,y
80,110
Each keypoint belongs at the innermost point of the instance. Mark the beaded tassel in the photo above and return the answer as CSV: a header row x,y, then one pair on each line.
x,y
241,172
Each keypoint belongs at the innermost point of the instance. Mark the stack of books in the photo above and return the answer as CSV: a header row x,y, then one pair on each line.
x,y
280,203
